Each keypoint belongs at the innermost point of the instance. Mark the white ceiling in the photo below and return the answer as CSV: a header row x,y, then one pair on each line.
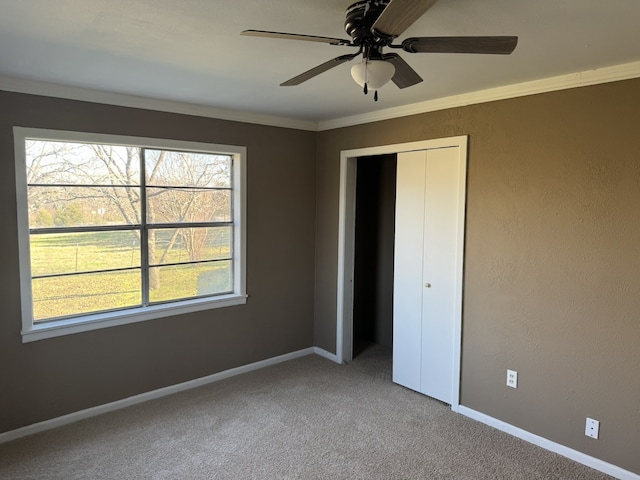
x,y
191,50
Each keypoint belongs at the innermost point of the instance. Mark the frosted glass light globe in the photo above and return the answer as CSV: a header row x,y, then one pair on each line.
x,y
375,73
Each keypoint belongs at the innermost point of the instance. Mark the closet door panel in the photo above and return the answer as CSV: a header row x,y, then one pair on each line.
x,y
409,241
439,273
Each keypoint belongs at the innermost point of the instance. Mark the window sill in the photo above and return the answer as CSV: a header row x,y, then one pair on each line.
x,y
124,317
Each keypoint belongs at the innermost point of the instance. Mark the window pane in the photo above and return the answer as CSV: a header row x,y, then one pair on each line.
x,y
85,293
83,206
188,281
83,252
179,245
187,169
91,214
175,205
50,162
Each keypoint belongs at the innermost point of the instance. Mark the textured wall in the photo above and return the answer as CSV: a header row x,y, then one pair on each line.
x,y
552,282
52,377
551,269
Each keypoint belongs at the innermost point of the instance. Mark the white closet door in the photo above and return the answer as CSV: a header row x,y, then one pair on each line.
x,y
426,274
440,271
407,275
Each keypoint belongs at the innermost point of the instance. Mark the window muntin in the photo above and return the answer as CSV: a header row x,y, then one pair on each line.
x,y
125,226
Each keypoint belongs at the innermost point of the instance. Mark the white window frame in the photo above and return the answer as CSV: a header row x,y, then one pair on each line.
x,y
54,328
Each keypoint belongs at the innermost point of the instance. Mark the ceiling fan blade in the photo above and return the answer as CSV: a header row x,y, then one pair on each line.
x,y
295,36
490,45
400,15
309,74
405,76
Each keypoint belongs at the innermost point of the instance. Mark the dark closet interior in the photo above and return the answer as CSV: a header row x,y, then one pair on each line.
x,y
374,240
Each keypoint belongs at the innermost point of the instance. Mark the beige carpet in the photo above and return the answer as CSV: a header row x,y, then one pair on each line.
x,y
304,419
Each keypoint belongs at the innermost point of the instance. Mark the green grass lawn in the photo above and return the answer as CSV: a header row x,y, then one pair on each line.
x,y
84,291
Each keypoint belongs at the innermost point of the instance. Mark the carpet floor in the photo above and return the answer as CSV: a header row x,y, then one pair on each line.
x,y
303,419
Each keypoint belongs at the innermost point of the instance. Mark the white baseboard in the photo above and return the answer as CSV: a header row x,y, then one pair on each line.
x,y
144,397
325,354
570,453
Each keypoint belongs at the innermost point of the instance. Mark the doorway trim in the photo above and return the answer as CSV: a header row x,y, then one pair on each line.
x,y
346,246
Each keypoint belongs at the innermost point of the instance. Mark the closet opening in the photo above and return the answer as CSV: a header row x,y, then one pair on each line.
x,y
374,252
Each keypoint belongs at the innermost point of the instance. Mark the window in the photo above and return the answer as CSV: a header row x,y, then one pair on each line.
x,y
114,230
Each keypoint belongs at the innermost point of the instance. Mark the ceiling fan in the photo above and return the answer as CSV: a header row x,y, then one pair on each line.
x,y
373,25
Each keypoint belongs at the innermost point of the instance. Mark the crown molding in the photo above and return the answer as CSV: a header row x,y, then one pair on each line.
x,y
97,96
573,80
581,79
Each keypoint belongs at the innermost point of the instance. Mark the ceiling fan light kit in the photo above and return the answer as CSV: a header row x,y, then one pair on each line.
x,y
373,25
372,74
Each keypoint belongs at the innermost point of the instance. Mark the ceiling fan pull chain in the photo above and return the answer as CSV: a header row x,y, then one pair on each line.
x,y
366,71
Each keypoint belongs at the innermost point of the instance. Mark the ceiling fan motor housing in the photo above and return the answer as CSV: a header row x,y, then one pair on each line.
x,y
360,17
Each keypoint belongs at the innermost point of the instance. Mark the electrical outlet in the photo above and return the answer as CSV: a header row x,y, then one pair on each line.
x,y
592,429
512,379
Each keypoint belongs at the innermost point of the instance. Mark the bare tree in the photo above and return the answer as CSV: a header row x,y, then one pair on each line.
x,y
203,195
182,187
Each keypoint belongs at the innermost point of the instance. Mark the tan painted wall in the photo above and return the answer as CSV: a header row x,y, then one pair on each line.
x,y
53,377
552,268
552,262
